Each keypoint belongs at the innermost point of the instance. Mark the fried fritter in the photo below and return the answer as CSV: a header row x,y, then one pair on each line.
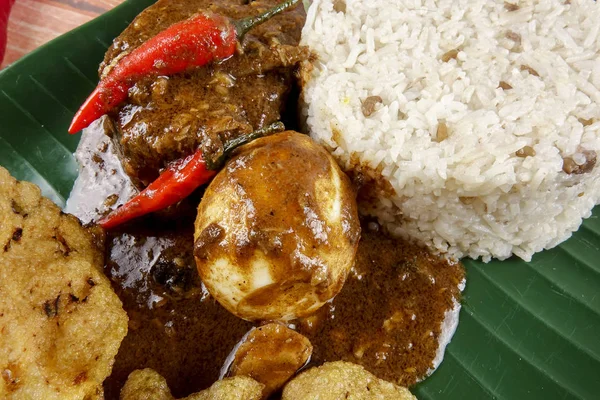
x,y
236,388
147,384
342,380
60,322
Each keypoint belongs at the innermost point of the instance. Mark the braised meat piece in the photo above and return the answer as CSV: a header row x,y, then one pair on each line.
x,y
167,118
271,355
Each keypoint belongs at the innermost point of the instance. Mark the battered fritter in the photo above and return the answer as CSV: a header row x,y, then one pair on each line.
x,y
147,384
342,380
60,322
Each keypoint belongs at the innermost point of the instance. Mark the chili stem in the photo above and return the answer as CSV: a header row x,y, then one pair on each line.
x,y
233,144
244,25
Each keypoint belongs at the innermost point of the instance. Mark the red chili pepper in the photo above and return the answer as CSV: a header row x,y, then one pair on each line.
x,y
195,42
179,180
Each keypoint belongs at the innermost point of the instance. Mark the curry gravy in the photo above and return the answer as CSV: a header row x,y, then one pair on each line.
x,y
175,326
178,329
387,316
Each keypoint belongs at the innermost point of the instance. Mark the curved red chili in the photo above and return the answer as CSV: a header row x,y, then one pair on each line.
x,y
179,180
194,42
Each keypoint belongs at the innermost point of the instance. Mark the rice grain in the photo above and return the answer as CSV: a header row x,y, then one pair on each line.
x,y
496,185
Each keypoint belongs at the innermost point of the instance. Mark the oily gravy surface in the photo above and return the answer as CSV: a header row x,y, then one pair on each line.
x,y
387,316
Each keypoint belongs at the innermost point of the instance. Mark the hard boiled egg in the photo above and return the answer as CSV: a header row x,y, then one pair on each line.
x,y
277,229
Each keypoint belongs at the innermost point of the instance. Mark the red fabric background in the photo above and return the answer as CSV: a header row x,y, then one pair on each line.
x,y
5,6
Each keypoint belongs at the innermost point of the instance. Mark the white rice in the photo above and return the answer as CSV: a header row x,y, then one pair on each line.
x,y
470,194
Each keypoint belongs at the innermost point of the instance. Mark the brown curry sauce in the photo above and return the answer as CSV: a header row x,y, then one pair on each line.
x,y
179,330
387,316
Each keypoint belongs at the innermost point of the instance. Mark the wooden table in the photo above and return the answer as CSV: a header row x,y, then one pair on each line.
x,y
34,22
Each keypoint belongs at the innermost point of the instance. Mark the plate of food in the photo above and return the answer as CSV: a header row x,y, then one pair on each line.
x,y
329,199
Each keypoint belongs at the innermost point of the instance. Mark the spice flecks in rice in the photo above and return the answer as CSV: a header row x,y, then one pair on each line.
x,y
435,62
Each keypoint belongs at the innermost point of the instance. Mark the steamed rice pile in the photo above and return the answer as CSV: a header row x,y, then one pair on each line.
x,y
488,125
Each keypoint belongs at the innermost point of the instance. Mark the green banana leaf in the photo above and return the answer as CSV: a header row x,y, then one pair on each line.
x,y
527,330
